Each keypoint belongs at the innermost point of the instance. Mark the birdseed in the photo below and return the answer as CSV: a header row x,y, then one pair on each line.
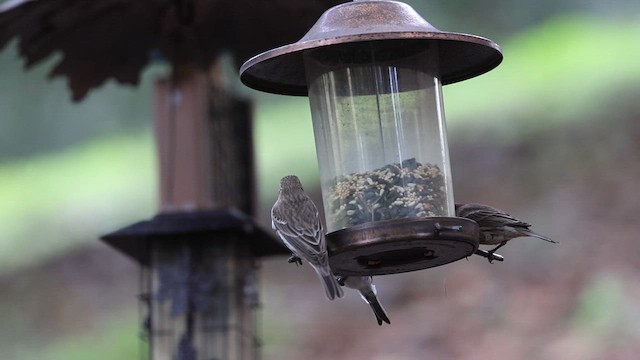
x,y
394,191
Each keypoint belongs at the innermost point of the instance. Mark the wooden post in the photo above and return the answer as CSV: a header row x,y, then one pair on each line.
x,y
205,147
182,137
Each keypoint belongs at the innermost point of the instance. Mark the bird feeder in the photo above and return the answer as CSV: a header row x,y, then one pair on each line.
x,y
200,254
373,71
199,282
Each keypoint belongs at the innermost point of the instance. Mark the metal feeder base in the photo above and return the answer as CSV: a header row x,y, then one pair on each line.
x,y
396,246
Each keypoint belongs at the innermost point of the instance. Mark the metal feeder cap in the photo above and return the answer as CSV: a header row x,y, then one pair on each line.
x,y
281,70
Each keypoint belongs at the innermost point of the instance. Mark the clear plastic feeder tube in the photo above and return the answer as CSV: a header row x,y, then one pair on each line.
x,y
380,132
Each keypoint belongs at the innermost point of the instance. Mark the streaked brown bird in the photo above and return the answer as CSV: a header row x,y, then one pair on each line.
x,y
364,285
295,218
496,226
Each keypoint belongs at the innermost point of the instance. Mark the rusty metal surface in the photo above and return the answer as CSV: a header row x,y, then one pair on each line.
x,y
396,246
281,70
116,39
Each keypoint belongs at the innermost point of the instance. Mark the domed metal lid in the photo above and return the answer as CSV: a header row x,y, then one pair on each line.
x,y
281,70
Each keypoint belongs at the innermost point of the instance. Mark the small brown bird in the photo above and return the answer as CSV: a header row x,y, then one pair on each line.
x,y
496,226
295,219
364,285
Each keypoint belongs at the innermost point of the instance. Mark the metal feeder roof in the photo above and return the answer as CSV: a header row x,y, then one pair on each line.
x,y
281,70
205,226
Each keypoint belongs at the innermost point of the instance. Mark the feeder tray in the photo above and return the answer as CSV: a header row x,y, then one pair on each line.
x,y
403,245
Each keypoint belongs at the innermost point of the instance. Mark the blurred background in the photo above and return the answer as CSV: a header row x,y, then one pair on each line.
x,y
552,136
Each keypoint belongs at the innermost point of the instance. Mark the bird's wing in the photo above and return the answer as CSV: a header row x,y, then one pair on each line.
x,y
307,239
493,217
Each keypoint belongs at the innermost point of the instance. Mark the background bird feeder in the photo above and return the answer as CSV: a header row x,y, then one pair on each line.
x,y
373,71
200,255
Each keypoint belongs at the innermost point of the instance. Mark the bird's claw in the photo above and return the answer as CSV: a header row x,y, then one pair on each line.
x,y
490,255
295,259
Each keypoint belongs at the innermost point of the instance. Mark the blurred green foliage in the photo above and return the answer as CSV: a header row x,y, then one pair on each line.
x,y
116,339
600,304
54,202
560,69
500,19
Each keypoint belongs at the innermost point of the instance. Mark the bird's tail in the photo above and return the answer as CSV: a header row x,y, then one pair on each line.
x,y
331,286
541,237
377,308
